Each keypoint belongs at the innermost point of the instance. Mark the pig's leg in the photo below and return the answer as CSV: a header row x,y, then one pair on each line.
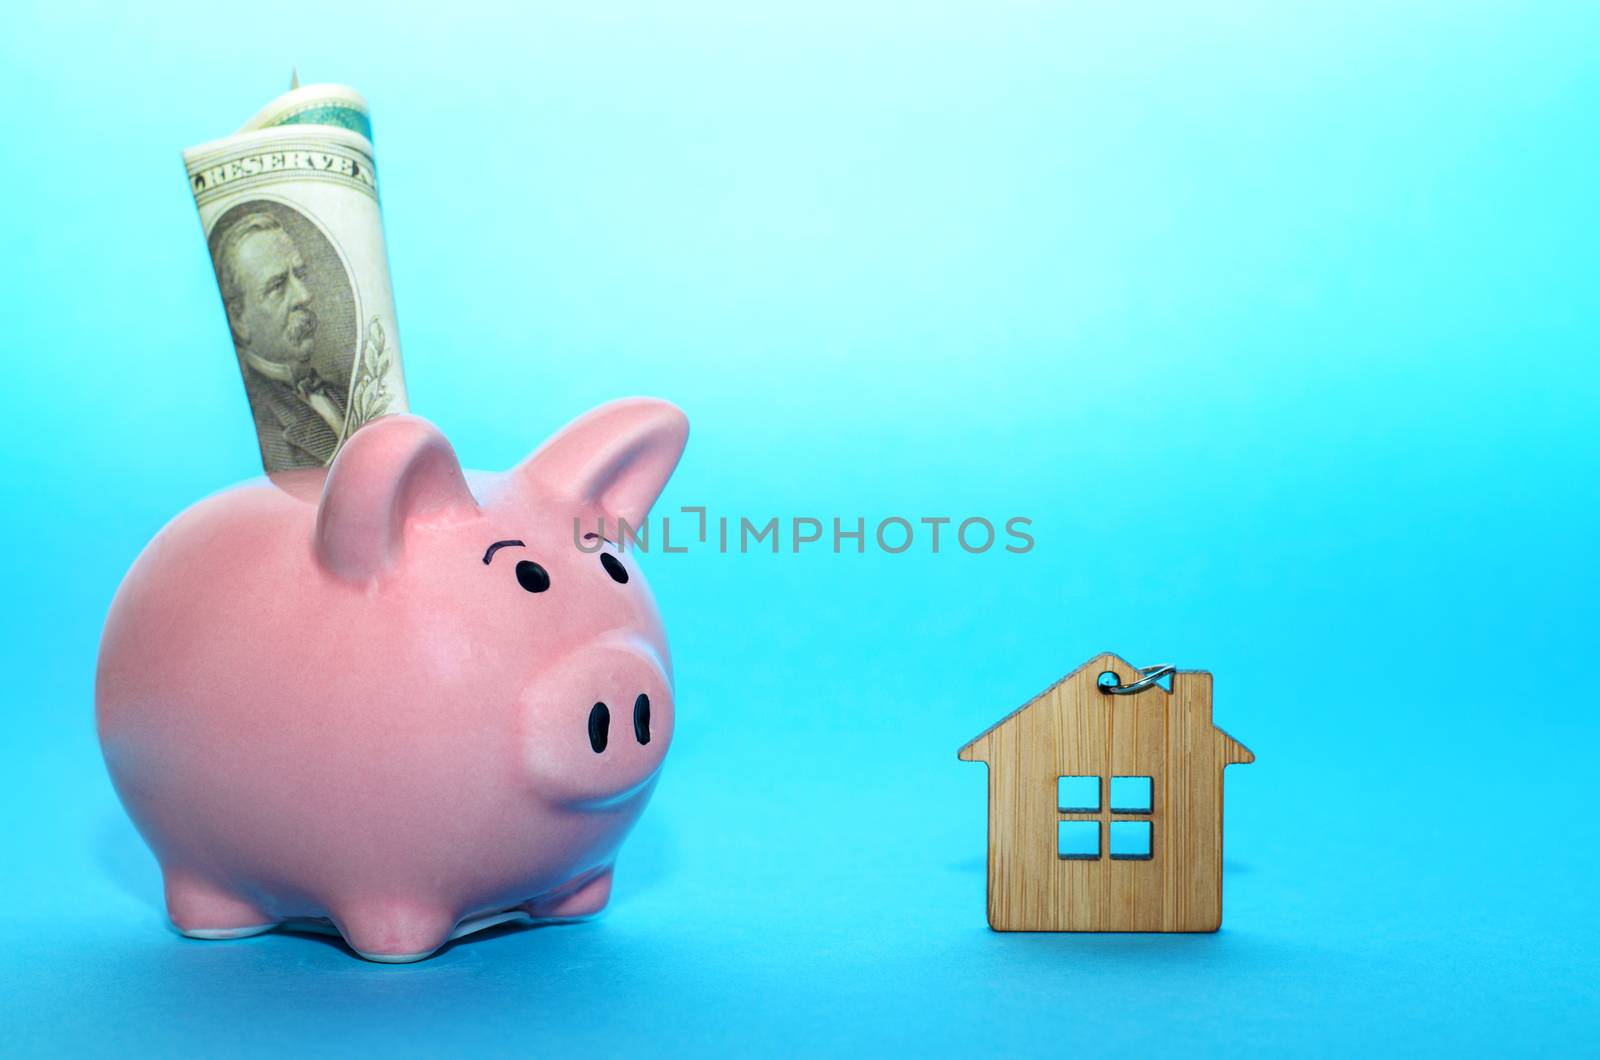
x,y
574,901
202,910
394,932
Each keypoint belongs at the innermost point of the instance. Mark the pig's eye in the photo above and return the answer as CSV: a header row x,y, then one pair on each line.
x,y
532,577
614,567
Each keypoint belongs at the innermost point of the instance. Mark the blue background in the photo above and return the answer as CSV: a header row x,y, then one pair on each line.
x,y
1279,321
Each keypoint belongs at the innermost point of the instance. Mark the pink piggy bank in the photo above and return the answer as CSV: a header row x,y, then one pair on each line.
x,y
392,699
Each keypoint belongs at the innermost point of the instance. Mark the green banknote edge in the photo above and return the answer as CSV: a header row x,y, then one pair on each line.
x,y
343,117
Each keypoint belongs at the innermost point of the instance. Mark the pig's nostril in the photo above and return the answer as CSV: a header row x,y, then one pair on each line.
x,y
641,718
599,726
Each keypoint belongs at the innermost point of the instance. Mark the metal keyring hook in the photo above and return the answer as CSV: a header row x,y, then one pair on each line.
x,y
1152,674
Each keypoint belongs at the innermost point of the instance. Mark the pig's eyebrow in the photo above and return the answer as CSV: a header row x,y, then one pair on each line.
x,y
487,556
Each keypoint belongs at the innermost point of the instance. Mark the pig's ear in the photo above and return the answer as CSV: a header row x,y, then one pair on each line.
x,y
392,471
616,458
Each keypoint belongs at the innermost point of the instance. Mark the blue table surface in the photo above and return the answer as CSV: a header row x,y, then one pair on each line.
x,y
1278,322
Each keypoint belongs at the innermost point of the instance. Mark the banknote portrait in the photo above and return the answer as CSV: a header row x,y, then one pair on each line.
x,y
291,308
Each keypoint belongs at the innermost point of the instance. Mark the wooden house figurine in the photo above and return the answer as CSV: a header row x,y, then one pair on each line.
x,y
1105,810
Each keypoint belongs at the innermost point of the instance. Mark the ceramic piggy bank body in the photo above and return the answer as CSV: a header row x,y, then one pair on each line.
x,y
384,699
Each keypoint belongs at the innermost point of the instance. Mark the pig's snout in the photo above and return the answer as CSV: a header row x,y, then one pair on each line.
x,y
598,723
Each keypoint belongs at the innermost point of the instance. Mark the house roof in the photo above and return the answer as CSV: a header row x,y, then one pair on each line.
x,y
1234,750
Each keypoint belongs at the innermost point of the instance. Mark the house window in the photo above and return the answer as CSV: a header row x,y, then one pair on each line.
x,y
1131,794
1078,794
1130,841
1078,840
1127,840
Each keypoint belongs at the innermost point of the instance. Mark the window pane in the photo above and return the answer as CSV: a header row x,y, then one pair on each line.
x,y
1078,840
1130,840
1131,794
1078,794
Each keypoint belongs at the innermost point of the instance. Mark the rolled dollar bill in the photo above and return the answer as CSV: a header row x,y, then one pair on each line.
x,y
289,206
